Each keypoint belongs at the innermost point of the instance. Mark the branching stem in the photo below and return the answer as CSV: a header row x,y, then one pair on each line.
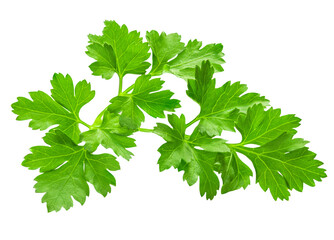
x,y
145,130
120,86
129,89
84,123
192,121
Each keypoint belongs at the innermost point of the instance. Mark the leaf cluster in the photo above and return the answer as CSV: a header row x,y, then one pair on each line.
x,y
68,163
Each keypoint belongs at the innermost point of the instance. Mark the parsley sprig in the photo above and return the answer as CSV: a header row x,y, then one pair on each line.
x,y
281,161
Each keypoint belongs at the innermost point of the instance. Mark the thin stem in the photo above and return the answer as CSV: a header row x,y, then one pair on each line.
x,y
101,113
120,85
145,130
85,124
98,119
129,88
152,72
235,145
192,121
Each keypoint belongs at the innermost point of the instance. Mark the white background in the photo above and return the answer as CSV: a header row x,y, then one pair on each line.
x,y
281,49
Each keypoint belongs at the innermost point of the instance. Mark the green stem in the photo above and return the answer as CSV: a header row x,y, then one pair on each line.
x,y
152,72
85,124
192,121
101,113
145,130
98,119
129,88
120,85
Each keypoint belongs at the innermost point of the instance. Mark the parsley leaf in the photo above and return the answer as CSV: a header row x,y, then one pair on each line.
x,y
110,135
260,126
118,50
165,47
235,174
72,99
66,168
176,148
203,84
220,107
62,109
282,163
179,152
147,96
193,55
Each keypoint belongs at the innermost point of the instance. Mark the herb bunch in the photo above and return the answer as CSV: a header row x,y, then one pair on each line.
x,y
281,161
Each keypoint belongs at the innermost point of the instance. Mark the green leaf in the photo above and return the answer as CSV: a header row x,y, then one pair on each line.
x,y
235,174
130,114
220,107
63,92
201,167
62,184
62,110
208,143
180,152
260,126
175,149
110,135
172,153
66,168
204,84
147,96
164,48
184,64
97,169
105,65
118,50
282,163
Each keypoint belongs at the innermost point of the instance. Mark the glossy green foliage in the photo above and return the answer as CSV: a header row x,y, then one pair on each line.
x,y
65,170
61,109
67,163
146,95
